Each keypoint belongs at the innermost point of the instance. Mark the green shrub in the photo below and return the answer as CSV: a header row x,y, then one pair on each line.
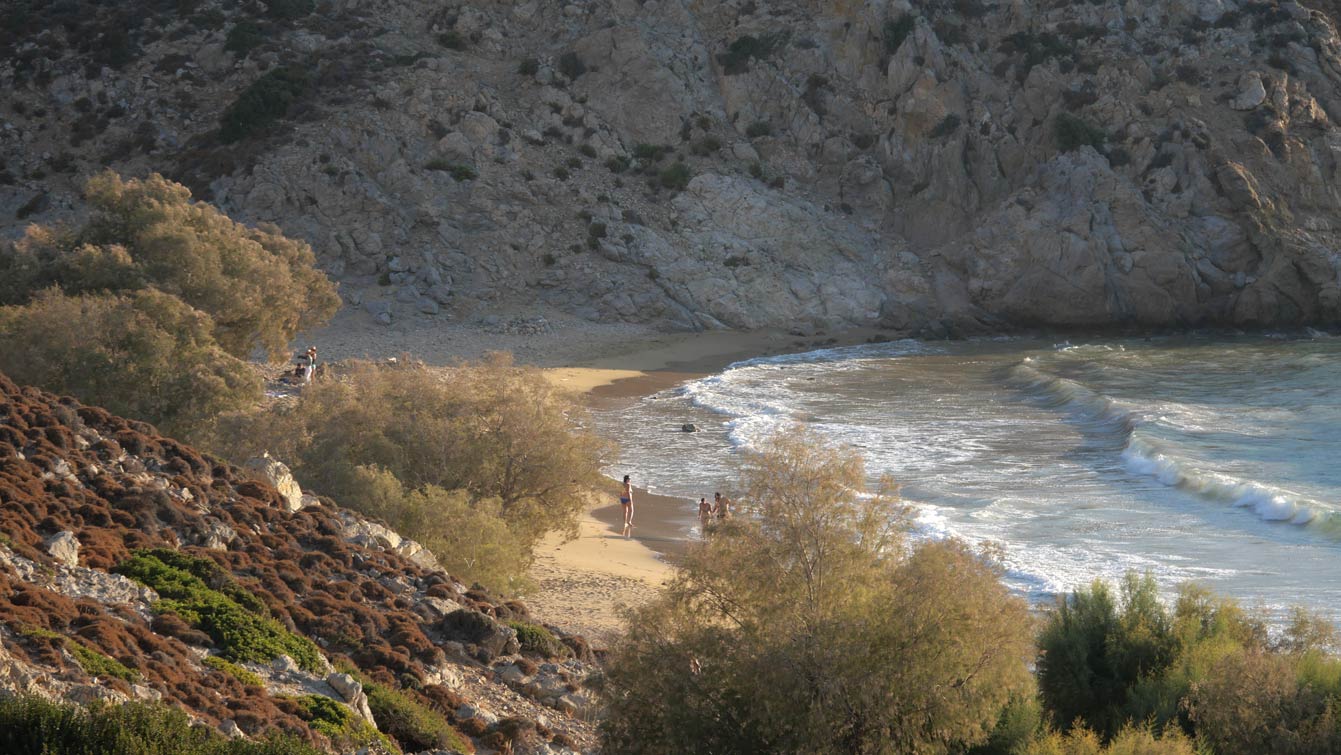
x,y
896,30
617,164
651,152
31,725
97,664
232,669
1073,133
528,67
94,663
244,37
339,724
571,65
736,59
675,177
452,40
758,129
258,287
539,640
240,634
521,471
413,725
458,171
145,355
262,104
810,627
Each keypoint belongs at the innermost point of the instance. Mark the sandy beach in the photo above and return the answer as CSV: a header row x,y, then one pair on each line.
x,y
583,584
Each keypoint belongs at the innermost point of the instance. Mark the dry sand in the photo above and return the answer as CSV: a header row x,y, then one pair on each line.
x,y
585,583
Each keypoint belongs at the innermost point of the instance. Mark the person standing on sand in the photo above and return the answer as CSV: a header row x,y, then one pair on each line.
x,y
626,500
704,516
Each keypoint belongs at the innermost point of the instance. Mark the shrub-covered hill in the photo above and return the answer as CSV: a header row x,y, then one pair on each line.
x,y
133,567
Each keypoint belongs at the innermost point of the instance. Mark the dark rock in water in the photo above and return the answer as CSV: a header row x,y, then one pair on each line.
x,y
689,427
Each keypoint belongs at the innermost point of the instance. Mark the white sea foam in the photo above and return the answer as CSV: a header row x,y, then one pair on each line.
x,y
1146,457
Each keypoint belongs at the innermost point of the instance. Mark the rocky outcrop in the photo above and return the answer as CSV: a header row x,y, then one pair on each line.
x,y
925,166
277,474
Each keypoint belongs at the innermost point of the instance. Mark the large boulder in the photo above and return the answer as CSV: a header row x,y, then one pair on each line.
x,y
275,472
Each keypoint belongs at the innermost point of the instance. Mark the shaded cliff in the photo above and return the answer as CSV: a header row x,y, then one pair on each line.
x,y
929,166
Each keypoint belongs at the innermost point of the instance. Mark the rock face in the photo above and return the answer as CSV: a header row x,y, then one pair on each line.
x,y
927,166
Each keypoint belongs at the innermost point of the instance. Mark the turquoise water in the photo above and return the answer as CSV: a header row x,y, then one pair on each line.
x,y
1216,460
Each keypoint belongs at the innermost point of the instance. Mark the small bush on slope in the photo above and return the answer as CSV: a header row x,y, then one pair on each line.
x,y
30,725
241,633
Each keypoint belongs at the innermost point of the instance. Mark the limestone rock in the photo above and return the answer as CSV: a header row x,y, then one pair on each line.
x,y
277,474
351,691
64,547
1251,93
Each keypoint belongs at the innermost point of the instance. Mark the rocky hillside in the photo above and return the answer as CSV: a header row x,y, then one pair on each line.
x,y
132,567
937,166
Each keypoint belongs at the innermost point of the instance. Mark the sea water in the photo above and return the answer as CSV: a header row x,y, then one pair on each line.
x,y
1214,460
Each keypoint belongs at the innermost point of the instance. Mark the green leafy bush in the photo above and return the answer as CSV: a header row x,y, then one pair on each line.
x,y
244,37
263,103
736,59
31,725
452,40
258,287
339,724
144,355
240,634
809,626
651,152
93,662
492,442
234,670
1074,132
413,725
675,177
539,640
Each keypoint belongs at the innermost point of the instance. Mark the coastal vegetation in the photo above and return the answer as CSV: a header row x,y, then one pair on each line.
x,y
31,725
151,306
813,626
476,462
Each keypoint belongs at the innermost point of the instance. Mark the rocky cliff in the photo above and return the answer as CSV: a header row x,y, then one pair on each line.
x,y
938,166
131,567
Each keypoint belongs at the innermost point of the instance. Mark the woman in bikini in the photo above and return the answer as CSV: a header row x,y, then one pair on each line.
x,y
626,500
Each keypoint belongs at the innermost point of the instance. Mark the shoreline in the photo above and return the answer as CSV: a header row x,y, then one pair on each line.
x,y
586,584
